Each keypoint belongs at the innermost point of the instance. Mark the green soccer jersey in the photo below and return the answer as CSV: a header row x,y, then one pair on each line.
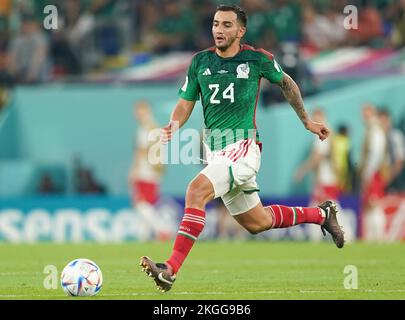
x,y
229,89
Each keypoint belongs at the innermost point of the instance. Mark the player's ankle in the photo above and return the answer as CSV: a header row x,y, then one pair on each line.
x,y
170,269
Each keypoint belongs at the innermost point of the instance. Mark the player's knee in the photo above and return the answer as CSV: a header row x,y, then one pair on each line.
x,y
257,228
253,230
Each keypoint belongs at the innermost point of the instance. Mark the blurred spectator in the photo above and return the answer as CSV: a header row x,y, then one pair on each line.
x,y
395,152
341,146
106,29
84,180
174,30
28,53
258,27
285,19
147,16
47,185
372,176
5,77
323,31
280,42
5,12
398,32
102,7
97,34
4,97
370,26
289,57
88,183
205,10
65,41
401,124
65,60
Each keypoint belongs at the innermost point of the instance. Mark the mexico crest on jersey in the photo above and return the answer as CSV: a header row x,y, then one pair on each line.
x,y
243,71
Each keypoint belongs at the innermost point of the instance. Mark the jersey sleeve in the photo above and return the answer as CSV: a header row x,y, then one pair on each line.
x,y
270,69
190,90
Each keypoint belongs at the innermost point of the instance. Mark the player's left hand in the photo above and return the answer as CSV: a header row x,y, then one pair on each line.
x,y
319,129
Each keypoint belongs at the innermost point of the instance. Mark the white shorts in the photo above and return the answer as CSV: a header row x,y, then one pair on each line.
x,y
232,171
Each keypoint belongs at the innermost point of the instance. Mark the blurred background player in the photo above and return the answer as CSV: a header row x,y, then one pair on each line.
x,y
395,152
145,174
320,162
27,59
373,176
342,160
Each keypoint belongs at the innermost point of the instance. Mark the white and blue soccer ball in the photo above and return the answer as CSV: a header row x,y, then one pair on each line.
x,y
81,277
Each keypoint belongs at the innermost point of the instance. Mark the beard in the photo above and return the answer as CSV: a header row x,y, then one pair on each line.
x,y
226,45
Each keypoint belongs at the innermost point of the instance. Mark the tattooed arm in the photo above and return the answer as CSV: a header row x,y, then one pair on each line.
x,y
293,95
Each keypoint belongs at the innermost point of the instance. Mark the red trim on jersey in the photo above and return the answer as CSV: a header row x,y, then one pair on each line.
x,y
247,147
208,49
246,47
231,153
257,99
236,155
243,150
265,52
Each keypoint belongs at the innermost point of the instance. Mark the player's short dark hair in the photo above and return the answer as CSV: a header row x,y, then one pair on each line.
x,y
384,112
240,13
343,130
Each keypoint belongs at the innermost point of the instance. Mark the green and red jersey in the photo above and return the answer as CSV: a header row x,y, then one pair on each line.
x,y
229,89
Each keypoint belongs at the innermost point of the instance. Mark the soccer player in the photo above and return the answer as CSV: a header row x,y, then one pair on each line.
x,y
145,177
320,161
373,171
226,77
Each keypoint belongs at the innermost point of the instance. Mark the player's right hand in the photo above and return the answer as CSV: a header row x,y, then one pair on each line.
x,y
167,132
319,129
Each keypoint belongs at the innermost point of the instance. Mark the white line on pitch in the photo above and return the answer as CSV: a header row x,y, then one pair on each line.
x,y
210,293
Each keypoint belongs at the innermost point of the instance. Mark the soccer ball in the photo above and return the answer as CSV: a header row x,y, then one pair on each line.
x,y
81,277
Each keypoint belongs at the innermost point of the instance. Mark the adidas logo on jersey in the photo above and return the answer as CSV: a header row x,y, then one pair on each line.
x,y
207,72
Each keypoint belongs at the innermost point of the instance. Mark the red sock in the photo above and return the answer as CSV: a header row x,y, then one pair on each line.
x,y
190,228
284,217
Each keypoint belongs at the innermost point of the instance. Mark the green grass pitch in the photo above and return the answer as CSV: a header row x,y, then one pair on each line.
x,y
215,270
